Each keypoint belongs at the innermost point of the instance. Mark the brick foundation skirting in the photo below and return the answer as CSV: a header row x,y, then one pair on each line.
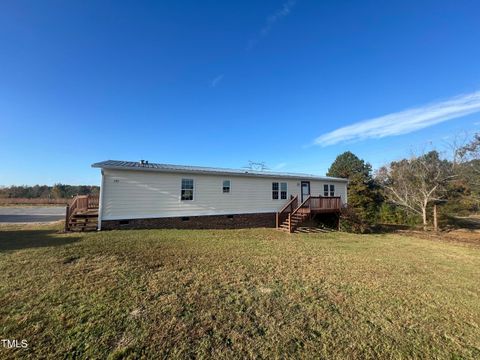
x,y
235,221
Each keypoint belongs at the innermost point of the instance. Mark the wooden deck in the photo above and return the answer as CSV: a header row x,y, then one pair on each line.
x,y
291,216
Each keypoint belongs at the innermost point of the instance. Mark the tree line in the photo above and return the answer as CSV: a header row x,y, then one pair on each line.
x,y
57,191
411,190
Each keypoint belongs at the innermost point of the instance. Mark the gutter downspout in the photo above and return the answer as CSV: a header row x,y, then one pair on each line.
x,y
100,202
346,192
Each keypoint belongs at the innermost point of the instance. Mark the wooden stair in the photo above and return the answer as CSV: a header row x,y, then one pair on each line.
x,y
292,222
82,214
83,221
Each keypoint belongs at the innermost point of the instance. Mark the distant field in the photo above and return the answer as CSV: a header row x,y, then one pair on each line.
x,y
34,201
237,293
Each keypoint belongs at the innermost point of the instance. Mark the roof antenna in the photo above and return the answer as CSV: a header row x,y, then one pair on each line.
x,y
257,166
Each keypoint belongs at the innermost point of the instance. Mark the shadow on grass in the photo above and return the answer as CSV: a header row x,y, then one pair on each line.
x,y
390,228
25,239
468,223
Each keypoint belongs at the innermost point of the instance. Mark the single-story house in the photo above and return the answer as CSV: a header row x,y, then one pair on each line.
x,y
148,195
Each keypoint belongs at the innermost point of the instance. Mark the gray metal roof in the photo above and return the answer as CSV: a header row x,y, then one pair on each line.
x,y
136,165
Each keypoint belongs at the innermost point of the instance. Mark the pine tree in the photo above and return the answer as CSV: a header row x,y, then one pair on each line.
x,y
364,196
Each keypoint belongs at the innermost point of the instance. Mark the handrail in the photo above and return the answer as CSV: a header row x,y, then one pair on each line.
x,y
288,208
288,203
302,205
290,215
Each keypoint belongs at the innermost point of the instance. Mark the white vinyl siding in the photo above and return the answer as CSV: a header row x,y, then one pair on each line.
x,y
130,194
340,189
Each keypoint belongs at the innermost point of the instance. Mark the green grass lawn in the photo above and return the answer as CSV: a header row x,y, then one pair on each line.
x,y
237,293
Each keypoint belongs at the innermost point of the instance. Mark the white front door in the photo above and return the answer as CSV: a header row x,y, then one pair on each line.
x,y
305,190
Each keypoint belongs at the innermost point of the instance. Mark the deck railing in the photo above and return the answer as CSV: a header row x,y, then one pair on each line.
x,y
325,203
80,203
92,202
287,209
315,204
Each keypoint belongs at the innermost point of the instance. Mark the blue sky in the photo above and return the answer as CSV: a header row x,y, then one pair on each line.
x,y
219,83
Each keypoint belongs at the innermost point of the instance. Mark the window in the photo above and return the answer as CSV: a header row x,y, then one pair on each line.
x,y
187,189
275,190
283,190
226,186
279,189
328,190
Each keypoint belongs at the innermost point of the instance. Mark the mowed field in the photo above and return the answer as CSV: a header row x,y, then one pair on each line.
x,y
237,294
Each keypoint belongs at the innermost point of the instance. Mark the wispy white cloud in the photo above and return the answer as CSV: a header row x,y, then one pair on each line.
x,y
215,81
270,22
404,122
476,123
279,166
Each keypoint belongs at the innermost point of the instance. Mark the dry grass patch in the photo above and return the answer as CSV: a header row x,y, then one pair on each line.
x,y
237,293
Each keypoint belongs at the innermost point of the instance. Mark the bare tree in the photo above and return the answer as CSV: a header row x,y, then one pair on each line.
x,y
417,182
470,151
453,146
468,166
469,156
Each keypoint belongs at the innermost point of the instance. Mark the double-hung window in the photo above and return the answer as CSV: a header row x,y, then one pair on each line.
x,y
187,190
328,190
275,190
226,186
279,190
283,190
